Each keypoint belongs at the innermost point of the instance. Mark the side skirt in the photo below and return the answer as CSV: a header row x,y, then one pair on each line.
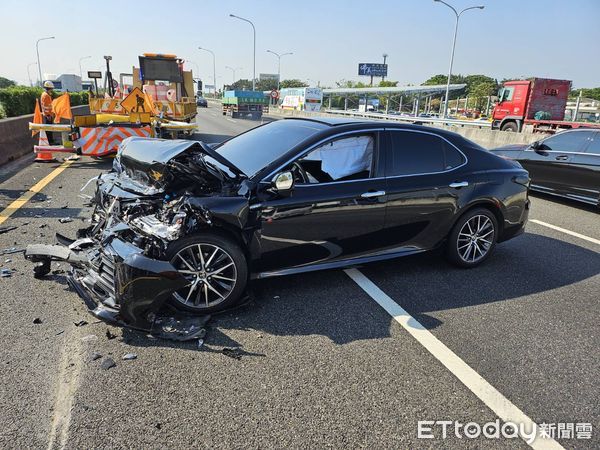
x,y
337,264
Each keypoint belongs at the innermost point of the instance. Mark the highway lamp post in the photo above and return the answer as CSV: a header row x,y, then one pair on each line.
x,y
254,57
80,71
214,70
279,56
233,69
37,51
29,74
457,14
385,55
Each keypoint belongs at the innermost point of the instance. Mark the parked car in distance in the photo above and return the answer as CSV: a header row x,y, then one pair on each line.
x,y
182,222
202,102
566,164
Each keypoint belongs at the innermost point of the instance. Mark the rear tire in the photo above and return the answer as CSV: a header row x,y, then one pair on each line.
x,y
218,278
473,238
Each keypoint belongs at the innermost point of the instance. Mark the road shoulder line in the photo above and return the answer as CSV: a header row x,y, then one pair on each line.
x,y
564,230
36,188
489,395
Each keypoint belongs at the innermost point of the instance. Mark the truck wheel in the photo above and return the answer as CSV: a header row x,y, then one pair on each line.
x,y
510,126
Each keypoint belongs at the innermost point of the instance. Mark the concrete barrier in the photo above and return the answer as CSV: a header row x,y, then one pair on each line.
x,y
15,137
485,137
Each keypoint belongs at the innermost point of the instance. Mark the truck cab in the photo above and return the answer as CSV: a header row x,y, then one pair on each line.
x,y
509,112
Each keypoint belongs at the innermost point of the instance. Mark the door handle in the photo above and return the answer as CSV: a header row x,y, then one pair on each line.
x,y
459,184
562,158
372,194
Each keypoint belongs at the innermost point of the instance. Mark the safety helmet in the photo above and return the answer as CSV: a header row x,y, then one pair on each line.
x,y
48,84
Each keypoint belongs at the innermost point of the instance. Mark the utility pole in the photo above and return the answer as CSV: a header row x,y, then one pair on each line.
x,y
385,55
254,59
37,51
457,14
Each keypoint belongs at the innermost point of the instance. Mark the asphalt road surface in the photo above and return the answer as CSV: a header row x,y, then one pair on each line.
x,y
322,363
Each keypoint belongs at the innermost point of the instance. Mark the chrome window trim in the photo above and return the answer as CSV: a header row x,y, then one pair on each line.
x,y
466,161
562,153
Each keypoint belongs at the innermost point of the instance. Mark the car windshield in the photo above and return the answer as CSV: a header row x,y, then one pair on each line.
x,y
256,149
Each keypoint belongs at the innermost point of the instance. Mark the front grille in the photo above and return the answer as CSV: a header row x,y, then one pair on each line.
x,y
105,268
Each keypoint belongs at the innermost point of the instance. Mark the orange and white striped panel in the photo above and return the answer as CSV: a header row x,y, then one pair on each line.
x,y
100,141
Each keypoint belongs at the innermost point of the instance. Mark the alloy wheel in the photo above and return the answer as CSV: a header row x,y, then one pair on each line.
x,y
211,273
475,238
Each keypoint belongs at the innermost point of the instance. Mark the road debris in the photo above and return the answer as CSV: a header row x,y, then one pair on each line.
x,y
5,273
81,323
37,321
11,250
108,363
109,335
65,220
7,229
201,336
232,353
95,355
129,357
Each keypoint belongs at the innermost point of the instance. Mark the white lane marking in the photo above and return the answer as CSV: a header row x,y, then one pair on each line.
x,y
569,232
231,120
489,395
71,366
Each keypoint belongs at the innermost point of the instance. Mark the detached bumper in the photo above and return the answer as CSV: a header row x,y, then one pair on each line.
x,y
121,286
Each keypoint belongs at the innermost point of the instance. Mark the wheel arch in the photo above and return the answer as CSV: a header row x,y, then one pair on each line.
x,y
493,205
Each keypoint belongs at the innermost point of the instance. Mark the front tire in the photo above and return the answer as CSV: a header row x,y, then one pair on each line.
x,y
510,127
473,238
216,268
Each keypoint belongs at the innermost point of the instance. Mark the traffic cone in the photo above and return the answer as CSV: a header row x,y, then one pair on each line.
x,y
42,156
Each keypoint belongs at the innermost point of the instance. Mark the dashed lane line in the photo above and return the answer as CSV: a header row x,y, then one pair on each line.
x,y
35,189
564,230
489,395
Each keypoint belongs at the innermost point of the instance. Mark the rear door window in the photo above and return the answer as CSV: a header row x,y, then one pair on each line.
x,y
416,153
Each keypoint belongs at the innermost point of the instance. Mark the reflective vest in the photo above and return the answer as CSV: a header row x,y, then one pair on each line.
x,y
46,101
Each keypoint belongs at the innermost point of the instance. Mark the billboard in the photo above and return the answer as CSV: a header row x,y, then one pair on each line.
x,y
268,76
372,69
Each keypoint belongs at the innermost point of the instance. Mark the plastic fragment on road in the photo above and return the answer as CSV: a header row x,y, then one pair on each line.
x,y
232,353
108,363
5,273
129,356
37,321
65,220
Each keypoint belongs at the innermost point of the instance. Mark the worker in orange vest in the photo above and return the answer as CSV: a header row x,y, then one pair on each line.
x,y
46,103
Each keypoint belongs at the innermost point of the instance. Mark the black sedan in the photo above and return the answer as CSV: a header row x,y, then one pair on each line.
x,y
565,164
201,102
189,224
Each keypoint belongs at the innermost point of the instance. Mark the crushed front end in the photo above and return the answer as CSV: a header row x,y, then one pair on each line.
x,y
119,264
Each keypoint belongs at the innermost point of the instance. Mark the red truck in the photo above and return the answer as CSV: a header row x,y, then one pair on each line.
x,y
538,102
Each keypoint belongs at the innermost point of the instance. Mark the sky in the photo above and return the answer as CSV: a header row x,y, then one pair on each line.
x,y
328,38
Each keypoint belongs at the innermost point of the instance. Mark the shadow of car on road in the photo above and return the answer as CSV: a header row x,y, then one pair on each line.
x,y
329,304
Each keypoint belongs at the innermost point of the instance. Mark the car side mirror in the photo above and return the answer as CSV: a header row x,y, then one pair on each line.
x,y
535,145
283,183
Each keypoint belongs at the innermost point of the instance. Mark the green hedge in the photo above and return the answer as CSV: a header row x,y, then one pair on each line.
x,y
20,100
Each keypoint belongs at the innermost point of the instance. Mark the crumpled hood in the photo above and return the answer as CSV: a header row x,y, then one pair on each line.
x,y
144,160
153,165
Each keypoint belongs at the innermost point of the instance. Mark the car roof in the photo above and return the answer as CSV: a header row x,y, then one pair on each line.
x,y
350,123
